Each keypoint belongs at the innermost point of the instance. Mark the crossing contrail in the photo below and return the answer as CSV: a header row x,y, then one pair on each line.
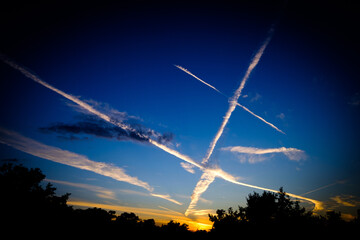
x,y
243,107
233,101
209,173
101,115
232,105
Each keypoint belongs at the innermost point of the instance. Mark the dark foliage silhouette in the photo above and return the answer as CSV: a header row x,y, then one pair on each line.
x,y
30,208
24,201
276,212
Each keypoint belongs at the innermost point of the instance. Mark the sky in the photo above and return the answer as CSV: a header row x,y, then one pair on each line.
x,y
175,109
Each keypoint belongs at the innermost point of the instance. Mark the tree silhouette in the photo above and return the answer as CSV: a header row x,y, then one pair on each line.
x,y
29,207
266,211
24,201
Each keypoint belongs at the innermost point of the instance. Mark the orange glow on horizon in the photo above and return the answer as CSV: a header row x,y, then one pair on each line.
x,y
160,216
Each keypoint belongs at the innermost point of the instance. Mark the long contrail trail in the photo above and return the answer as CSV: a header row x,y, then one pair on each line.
x,y
188,72
233,101
215,171
232,105
35,148
96,112
292,153
206,179
243,107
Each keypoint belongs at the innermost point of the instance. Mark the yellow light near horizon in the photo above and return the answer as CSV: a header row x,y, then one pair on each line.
x,y
160,216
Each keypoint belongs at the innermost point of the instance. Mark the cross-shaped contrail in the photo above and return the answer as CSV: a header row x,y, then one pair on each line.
x,y
207,178
209,172
243,107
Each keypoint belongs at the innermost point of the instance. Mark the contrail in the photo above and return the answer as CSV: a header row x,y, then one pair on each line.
x,y
243,107
188,72
209,176
35,148
206,179
233,101
97,113
320,188
270,124
318,204
166,197
292,153
217,172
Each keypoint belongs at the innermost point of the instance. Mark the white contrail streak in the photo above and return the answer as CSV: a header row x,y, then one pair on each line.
x,y
188,72
206,179
233,101
318,204
166,197
97,113
292,153
32,147
217,172
243,107
270,124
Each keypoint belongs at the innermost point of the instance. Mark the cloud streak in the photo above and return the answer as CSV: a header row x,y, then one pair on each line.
x,y
100,128
207,84
35,148
206,179
101,192
233,101
166,197
238,104
24,144
101,115
292,153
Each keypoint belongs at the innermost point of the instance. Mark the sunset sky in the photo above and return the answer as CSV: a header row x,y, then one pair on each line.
x,y
119,104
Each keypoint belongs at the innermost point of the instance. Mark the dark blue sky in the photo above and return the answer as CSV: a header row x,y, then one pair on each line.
x,y
121,56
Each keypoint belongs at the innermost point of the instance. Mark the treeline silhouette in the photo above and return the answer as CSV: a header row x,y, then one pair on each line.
x,y
30,208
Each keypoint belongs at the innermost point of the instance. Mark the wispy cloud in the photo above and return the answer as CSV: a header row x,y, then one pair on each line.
x,y
100,191
292,153
188,167
72,159
166,197
100,128
99,114
35,148
346,200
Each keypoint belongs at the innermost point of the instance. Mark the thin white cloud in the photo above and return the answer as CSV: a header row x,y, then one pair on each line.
x,y
92,110
100,191
256,97
207,84
281,116
346,200
111,171
35,148
166,197
292,153
188,167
